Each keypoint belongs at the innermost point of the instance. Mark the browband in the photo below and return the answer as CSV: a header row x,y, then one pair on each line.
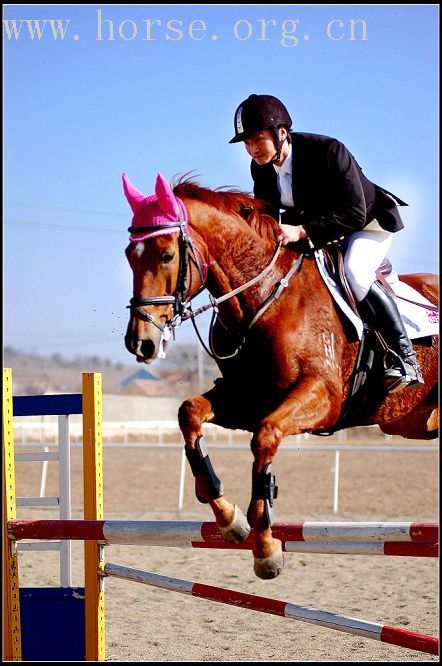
x,y
140,230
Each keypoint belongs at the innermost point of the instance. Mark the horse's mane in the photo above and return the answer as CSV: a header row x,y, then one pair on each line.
x,y
232,202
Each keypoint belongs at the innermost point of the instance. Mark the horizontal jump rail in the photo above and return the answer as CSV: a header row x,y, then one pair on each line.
x,y
206,535
139,531
383,633
396,548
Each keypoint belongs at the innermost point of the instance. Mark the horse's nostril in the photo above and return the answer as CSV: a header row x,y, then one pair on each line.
x,y
147,348
129,343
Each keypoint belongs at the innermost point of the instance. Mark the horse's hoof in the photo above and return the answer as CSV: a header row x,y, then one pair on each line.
x,y
271,566
238,530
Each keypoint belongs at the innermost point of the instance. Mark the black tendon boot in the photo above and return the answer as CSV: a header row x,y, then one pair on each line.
x,y
379,311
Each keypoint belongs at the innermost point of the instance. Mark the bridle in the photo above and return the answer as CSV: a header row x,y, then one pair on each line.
x,y
182,308
178,298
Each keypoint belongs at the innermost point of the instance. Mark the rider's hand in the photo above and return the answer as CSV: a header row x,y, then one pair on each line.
x,y
291,234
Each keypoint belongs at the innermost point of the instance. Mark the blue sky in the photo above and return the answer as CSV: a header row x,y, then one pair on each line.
x,y
160,96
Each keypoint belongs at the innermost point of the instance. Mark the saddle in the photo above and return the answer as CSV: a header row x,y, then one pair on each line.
x,y
334,261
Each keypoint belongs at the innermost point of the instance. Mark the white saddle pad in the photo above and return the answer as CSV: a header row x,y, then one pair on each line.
x,y
419,322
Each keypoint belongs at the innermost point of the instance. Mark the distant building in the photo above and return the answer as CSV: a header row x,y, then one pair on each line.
x,y
144,383
141,374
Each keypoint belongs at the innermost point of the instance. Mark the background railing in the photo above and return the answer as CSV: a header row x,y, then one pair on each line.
x,y
166,434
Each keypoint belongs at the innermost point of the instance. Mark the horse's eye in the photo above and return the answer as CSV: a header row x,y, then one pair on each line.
x,y
166,257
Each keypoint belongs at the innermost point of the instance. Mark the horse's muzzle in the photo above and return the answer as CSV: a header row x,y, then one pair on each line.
x,y
145,349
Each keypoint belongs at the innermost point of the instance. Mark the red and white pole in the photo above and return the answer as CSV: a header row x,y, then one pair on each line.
x,y
350,625
405,539
134,531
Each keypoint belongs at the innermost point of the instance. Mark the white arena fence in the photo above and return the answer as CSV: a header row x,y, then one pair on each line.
x,y
130,434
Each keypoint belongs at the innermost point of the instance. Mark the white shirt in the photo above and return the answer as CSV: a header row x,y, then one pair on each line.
x,y
284,179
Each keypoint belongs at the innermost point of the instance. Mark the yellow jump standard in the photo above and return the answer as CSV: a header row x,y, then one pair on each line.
x,y
25,622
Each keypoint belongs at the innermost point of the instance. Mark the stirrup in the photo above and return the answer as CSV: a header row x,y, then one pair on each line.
x,y
405,373
413,371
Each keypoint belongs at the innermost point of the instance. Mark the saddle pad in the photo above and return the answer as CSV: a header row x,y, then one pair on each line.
x,y
419,322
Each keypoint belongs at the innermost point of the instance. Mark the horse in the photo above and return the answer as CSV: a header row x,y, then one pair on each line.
x,y
285,355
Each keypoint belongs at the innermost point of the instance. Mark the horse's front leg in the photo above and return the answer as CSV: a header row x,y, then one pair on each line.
x,y
229,518
306,408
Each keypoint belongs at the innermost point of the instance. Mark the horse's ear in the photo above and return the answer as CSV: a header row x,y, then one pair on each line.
x,y
134,196
166,198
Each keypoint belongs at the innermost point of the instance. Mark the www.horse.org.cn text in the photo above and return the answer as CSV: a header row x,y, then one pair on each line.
x,y
288,33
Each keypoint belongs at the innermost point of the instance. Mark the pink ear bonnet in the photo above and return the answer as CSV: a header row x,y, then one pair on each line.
x,y
154,210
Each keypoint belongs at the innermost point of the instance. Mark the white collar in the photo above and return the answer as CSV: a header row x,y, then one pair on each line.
x,y
286,166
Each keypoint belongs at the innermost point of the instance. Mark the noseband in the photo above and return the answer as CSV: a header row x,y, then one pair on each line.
x,y
178,298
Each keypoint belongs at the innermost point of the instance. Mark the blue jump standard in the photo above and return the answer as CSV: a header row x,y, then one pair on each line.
x,y
52,619
52,624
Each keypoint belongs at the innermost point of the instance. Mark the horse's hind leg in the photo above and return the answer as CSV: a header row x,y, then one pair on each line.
x,y
230,520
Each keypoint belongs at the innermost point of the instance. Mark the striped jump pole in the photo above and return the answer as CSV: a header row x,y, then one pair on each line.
x,y
399,539
379,632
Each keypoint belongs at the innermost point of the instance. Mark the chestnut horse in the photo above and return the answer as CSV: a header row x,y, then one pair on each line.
x,y
285,356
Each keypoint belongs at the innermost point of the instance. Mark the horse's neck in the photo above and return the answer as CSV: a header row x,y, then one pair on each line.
x,y
236,253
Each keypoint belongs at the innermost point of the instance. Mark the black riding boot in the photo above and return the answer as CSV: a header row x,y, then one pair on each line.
x,y
379,311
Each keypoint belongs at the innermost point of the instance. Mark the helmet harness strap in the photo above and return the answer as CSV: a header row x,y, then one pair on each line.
x,y
279,144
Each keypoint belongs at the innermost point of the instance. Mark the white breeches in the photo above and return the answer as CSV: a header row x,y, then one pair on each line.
x,y
364,252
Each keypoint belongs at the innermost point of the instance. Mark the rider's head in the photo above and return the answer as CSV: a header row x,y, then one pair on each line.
x,y
263,123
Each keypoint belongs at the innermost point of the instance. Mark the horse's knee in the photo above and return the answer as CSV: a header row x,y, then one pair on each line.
x,y
185,412
190,416
265,443
193,412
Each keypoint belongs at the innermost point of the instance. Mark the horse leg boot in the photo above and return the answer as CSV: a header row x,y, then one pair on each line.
x,y
380,312
267,551
209,490
230,520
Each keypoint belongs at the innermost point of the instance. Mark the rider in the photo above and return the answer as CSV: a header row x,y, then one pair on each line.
x,y
326,199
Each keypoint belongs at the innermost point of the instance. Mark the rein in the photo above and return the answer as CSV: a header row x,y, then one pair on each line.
x,y
215,302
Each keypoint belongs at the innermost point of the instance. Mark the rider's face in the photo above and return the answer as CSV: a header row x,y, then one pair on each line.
x,y
261,146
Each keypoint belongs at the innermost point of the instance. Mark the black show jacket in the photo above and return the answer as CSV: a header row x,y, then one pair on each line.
x,y
332,197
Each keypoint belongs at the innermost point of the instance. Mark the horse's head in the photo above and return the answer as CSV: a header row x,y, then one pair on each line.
x,y
158,258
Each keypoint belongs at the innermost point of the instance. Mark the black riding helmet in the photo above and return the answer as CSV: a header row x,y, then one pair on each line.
x,y
259,112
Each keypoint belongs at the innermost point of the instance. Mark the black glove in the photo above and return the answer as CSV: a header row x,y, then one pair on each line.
x,y
291,216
